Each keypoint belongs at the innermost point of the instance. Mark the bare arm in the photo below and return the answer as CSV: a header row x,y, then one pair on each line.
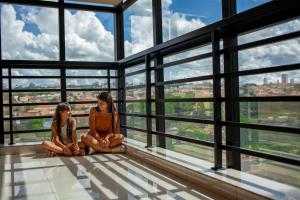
x,y
92,122
74,136
55,136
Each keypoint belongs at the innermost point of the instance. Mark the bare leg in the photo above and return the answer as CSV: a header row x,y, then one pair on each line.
x,y
116,140
90,141
50,146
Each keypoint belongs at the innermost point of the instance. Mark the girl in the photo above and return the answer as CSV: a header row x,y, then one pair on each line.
x,y
104,134
63,139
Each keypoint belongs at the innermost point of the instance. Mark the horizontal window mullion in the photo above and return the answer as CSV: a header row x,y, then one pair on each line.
x,y
88,77
135,72
268,99
186,80
35,90
35,77
269,70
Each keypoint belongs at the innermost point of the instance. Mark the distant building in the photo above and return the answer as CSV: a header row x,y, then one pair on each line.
x,y
265,81
284,79
292,81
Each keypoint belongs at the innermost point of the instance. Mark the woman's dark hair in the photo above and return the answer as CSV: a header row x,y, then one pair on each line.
x,y
106,97
64,106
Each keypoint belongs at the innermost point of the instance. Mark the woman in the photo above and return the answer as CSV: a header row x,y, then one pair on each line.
x,y
104,134
63,128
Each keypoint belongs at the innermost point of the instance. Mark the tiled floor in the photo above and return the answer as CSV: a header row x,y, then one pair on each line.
x,y
102,176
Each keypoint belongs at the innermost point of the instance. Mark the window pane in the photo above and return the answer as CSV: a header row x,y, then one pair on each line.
x,y
82,96
138,27
35,84
83,72
134,68
283,173
35,72
195,150
5,85
31,111
271,113
73,83
81,108
138,79
270,31
190,130
139,108
139,93
198,89
89,36
202,110
243,5
136,122
6,125
188,70
180,17
5,111
5,97
271,84
276,54
113,72
82,121
113,83
276,143
188,53
29,32
32,124
137,135
35,97
32,137
4,72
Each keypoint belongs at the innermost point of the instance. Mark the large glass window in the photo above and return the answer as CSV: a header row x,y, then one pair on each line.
x,y
29,32
138,27
180,16
243,5
89,36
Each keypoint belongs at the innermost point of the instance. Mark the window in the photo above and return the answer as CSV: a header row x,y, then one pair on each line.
x,y
138,27
29,32
180,17
243,5
89,36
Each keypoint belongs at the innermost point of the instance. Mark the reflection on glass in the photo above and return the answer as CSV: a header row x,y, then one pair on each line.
x,y
271,113
188,53
29,32
139,93
134,68
32,124
202,110
243,5
188,70
35,97
86,72
73,83
138,79
89,36
198,89
136,122
179,17
31,111
138,27
270,31
283,173
190,130
194,150
271,84
35,72
271,55
35,84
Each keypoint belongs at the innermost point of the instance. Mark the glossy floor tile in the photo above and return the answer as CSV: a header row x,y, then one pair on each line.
x,y
102,176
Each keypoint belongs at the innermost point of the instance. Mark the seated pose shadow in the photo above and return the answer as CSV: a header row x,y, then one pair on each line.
x,y
104,134
63,138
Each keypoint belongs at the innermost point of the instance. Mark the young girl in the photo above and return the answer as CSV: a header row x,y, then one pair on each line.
x,y
104,134
63,139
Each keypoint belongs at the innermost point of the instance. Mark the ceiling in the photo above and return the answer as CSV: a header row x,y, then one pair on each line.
x,y
111,2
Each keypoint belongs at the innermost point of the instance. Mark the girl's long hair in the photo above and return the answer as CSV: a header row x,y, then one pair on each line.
x,y
57,118
106,97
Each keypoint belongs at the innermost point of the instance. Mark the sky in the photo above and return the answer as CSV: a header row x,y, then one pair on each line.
x,y
90,35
